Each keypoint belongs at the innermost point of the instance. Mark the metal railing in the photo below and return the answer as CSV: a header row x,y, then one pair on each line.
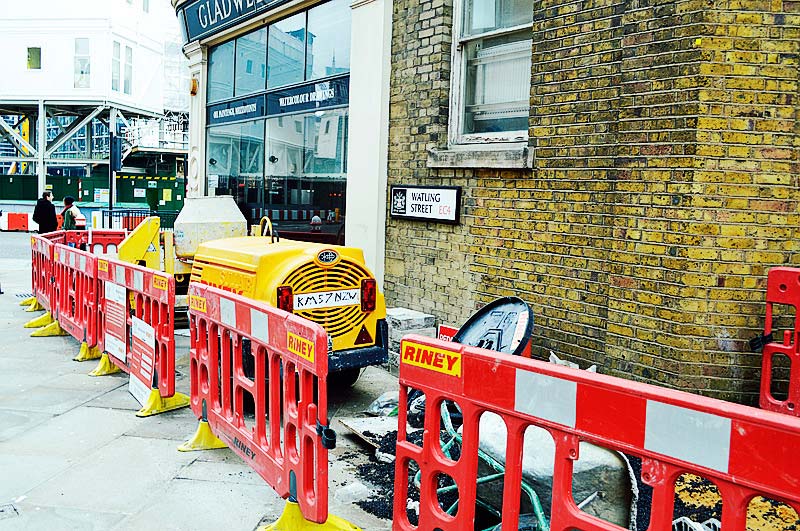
x,y
129,218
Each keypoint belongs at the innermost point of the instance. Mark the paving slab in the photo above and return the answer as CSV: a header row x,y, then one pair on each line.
x,y
13,422
72,435
192,504
127,470
21,473
39,517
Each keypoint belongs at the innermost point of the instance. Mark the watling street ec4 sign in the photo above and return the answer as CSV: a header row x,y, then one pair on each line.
x,y
432,203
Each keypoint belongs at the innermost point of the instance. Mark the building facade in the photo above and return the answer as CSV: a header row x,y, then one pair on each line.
x,y
72,76
289,114
627,168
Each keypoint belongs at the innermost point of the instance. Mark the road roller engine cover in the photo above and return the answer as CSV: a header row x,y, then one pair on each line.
x,y
326,284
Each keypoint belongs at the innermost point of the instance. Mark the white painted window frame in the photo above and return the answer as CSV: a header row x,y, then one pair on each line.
x,y
458,72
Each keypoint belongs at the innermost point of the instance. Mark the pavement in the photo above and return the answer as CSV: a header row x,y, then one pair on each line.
x,y
73,456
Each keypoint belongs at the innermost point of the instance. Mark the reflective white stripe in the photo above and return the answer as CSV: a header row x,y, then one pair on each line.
x,y
227,312
692,436
83,263
546,397
259,325
138,281
119,275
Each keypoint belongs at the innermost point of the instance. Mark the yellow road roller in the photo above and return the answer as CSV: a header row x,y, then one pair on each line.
x,y
327,284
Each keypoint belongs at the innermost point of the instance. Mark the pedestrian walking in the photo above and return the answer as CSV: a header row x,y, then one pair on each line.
x,y
73,219
45,214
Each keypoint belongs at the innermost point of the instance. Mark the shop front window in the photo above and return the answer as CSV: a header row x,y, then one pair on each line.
x,y
251,60
328,39
306,170
236,165
220,72
286,54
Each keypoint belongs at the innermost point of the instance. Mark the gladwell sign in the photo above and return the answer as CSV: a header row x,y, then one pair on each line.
x,y
205,17
432,203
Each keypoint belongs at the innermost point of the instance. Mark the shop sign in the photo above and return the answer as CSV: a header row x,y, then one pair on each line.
x,y
206,17
433,203
232,111
311,97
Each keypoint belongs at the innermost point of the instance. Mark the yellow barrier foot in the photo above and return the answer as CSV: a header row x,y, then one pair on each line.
x,y
157,404
292,520
87,353
104,367
28,301
53,329
203,439
34,307
38,322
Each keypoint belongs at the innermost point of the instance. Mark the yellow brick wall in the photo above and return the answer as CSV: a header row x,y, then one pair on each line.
x,y
664,136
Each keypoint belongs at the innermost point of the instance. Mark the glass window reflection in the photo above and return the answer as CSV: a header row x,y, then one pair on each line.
x,y
251,60
220,72
235,164
306,167
328,39
286,55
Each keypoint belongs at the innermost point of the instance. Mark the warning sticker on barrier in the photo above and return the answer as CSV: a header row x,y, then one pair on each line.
x,y
116,334
142,360
428,357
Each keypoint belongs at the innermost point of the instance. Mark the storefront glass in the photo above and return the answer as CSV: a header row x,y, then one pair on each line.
x,y
329,40
287,49
220,72
251,62
277,121
306,166
236,163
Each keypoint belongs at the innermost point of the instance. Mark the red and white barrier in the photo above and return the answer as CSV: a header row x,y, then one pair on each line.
x,y
137,332
17,222
746,452
285,375
783,287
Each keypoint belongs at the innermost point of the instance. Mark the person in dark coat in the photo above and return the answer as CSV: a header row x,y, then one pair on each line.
x,y
45,213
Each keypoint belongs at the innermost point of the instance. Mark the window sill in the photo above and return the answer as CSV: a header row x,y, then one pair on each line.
x,y
506,156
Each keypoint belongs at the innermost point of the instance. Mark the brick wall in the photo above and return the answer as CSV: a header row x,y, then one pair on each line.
x,y
664,136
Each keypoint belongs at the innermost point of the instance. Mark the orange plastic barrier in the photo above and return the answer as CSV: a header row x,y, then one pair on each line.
x,y
746,452
148,356
17,221
229,331
75,292
783,287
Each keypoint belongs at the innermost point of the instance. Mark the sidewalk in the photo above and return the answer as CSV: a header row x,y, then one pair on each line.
x,y
73,456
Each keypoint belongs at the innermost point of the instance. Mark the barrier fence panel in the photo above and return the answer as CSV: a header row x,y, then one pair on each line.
x,y
42,270
783,287
75,288
283,442
745,452
138,331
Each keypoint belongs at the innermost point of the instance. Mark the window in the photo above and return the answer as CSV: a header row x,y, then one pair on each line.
x,y
82,63
329,48
250,49
220,72
491,79
34,58
128,85
287,47
115,67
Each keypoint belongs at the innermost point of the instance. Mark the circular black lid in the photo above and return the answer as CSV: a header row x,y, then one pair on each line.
x,y
504,325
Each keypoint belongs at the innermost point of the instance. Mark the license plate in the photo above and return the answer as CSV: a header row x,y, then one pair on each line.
x,y
327,299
